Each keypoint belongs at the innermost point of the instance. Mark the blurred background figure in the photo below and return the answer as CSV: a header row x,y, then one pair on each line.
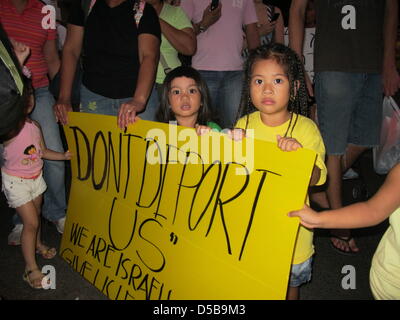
x,y
177,37
270,25
219,50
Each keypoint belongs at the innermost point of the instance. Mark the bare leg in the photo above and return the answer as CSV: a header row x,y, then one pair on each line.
x,y
292,293
336,166
320,198
334,190
37,202
42,249
353,152
28,214
30,221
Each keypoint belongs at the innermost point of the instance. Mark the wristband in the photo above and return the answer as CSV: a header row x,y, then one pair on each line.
x,y
202,29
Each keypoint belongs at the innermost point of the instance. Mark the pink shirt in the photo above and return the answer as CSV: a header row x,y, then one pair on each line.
x,y
219,47
23,155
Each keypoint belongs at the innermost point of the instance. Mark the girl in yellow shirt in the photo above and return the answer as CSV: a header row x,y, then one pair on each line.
x,y
274,105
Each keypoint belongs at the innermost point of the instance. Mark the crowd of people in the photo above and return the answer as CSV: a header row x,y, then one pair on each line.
x,y
206,65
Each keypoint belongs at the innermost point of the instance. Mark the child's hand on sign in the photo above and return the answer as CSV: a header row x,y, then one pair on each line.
x,y
308,217
288,144
237,134
201,129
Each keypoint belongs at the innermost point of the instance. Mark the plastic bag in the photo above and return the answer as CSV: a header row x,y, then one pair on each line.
x,y
387,154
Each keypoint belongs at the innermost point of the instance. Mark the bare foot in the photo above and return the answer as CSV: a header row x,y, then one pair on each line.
x,y
343,242
45,251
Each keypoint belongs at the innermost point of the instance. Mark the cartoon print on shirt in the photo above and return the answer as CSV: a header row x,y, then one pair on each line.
x,y
32,155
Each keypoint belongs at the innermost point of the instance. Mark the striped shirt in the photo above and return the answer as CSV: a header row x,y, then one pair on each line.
x,y
26,27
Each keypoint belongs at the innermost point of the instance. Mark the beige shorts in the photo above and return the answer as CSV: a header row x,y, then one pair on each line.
x,y
19,191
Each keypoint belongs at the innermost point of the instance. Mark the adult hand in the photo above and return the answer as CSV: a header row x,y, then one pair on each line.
x,y
211,17
391,80
21,50
61,110
266,28
67,155
128,111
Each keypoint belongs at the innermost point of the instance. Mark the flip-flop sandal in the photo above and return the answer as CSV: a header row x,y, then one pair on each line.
x,y
46,252
33,281
341,251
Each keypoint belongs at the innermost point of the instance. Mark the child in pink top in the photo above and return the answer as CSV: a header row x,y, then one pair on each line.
x,y
23,186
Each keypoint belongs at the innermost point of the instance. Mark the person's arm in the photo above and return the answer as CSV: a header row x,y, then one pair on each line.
x,y
358,215
52,58
51,154
266,28
184,40
297,15
208,19
252,36
390,76
149,53
70,57
279,28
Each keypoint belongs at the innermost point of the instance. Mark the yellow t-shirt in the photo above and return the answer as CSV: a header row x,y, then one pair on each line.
x,y
384,277
305,131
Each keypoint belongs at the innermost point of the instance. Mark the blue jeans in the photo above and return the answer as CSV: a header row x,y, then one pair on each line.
x,y
349,107
300,273
225,89
54,204
94,103
152,105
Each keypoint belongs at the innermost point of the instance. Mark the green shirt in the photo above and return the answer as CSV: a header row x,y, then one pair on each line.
x,y
214,126
177,18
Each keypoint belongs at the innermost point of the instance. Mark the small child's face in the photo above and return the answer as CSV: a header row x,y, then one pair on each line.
x,y
184,97
269,91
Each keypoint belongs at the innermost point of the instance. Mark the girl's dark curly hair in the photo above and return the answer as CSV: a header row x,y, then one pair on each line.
x,y
165,114
294,70
18,106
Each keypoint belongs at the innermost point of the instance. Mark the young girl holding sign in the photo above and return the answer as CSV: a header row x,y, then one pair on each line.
x,y
385,269
274,105
185,100
23,186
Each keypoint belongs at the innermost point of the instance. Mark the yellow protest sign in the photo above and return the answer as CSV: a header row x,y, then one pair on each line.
x,y
156,212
